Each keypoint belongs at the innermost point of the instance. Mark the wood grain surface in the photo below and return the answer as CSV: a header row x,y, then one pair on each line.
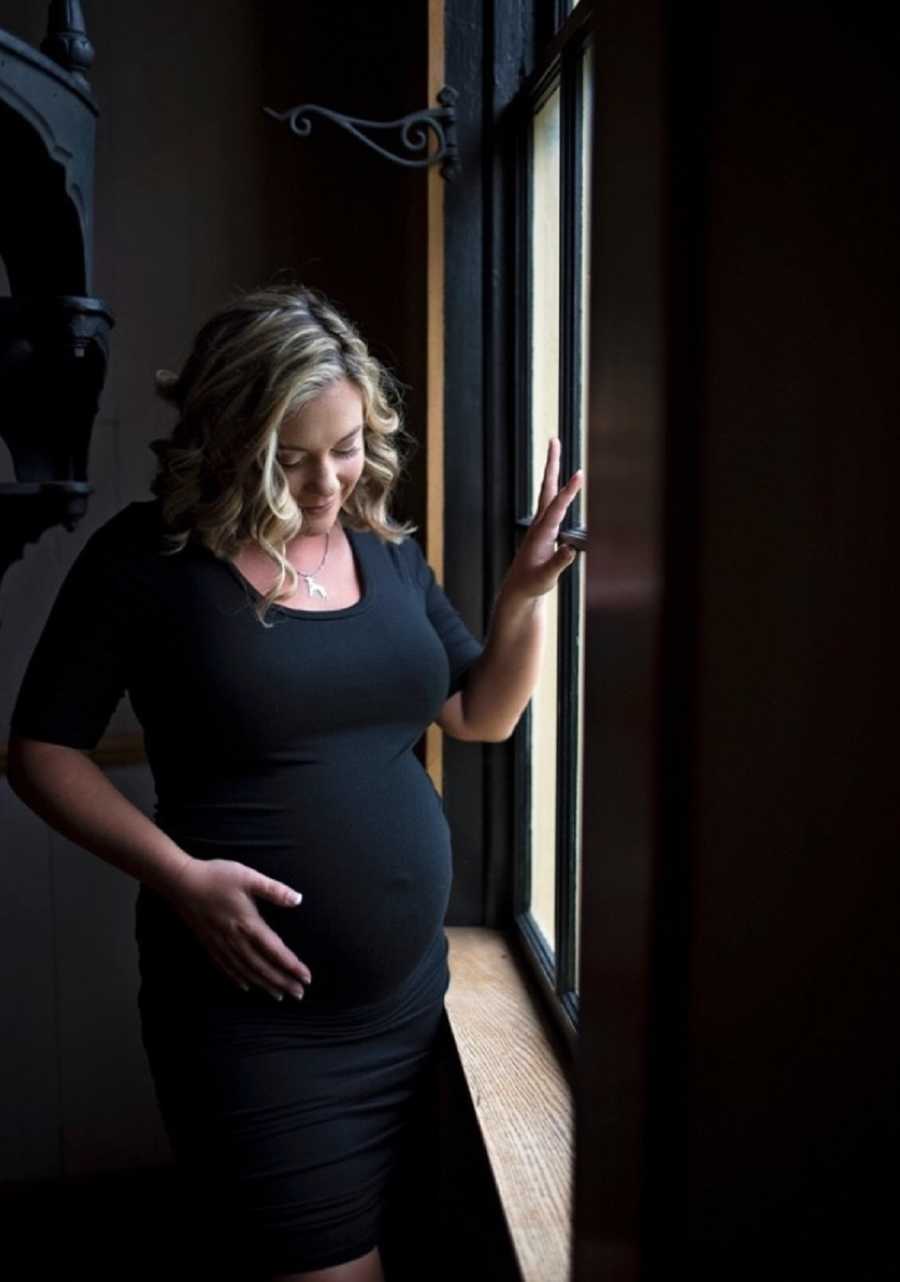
x,y
520,1095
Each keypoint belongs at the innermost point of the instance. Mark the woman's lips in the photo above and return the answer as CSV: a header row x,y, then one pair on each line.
x,y
318,507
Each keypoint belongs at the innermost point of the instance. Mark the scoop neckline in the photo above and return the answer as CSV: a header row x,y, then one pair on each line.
x,y
363,567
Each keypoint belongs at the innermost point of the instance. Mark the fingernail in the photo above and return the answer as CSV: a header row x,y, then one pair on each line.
x,y
298,994
279,997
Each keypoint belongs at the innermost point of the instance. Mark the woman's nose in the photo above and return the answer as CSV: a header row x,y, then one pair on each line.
x,y
322,478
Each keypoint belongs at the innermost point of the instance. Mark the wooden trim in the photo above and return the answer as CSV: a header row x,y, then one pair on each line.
x,y
520,1094
434,430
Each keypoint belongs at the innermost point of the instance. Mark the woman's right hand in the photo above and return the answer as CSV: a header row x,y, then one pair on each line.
x,y
215,899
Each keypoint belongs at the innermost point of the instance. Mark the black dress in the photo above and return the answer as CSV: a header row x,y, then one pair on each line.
x,y
290,750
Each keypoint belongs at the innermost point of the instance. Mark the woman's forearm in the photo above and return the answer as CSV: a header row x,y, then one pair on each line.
x,y
73,795
501,681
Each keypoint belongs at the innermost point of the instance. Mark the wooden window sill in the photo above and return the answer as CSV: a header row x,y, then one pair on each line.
x,y
520,1095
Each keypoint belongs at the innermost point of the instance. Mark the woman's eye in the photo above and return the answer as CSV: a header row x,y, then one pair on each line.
x,y
341,453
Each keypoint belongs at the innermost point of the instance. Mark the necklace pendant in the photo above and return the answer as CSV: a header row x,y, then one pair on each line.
x,y
314,589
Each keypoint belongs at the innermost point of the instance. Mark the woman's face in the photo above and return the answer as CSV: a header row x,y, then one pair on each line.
x,y
322,451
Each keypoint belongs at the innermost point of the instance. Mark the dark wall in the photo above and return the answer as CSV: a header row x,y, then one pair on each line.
x,y
795,951
739,1048
197,193
346,219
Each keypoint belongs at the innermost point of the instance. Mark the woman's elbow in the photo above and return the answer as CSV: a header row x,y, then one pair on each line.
x,y
26,758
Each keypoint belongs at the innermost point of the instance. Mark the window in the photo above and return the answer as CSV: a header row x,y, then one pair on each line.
x,y
553,183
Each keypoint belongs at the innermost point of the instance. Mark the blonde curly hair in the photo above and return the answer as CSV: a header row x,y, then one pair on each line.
x,y
261,357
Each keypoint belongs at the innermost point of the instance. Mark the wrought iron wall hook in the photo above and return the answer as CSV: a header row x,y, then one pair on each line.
x,y
415,126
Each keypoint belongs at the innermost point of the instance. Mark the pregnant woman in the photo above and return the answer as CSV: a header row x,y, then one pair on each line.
x,y
284,644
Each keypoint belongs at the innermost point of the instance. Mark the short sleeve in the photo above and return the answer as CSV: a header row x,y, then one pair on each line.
x,y
462,647
78,671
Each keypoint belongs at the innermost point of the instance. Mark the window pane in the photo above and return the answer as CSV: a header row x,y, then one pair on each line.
x,y
587,152
544,424
545,288
543,783
587,83
579,568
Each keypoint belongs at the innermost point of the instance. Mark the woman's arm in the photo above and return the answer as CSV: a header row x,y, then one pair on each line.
x,y
73,795
501,681
215,898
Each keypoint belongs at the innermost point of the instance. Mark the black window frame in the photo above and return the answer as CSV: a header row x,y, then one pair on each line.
x,y
492,60
559,64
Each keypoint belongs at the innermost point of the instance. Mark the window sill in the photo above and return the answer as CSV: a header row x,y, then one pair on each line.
x,y
520,1096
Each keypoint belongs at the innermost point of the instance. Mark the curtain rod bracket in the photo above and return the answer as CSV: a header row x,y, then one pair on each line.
x,y
415,126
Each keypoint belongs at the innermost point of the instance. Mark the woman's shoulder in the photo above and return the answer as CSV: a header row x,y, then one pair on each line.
x,y
404,555
136,522
132,533
140,513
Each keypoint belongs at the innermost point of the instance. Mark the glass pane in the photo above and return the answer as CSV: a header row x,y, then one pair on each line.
x,y
587,152
545,288
579,566
587,84
543,782
544,424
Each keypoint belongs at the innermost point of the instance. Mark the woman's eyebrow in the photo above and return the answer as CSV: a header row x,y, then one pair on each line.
x,y
298,449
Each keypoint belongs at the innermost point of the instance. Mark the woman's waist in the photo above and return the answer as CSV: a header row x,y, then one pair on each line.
x,y
280,813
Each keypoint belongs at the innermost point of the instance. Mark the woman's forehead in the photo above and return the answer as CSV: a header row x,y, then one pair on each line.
x,y
338,409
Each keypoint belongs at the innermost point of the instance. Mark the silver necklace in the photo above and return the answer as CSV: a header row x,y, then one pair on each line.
x,y
313,588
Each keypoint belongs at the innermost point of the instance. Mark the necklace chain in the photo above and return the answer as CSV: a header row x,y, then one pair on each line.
x,y
313,588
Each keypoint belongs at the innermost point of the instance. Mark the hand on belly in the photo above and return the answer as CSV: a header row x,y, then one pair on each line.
x,y
217,900
364,924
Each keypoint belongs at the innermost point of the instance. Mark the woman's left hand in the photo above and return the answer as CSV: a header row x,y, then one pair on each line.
x,y
537,564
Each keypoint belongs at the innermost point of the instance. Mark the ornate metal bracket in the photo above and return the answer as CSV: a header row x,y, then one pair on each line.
x,y
442,120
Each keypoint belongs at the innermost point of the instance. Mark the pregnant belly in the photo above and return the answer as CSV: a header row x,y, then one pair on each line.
x,y
371,854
